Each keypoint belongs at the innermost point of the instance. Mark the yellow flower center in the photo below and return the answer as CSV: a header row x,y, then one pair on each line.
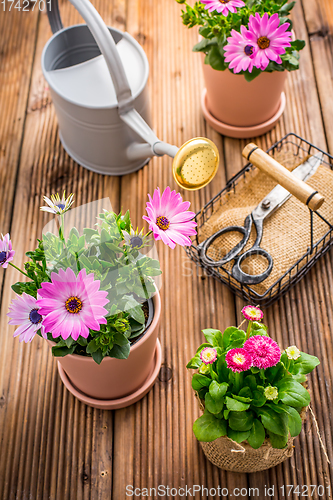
x,y
263,42
162,223
239,359
224,1
73,305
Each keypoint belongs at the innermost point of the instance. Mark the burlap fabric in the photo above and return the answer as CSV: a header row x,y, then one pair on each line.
x,y
286,233
229,455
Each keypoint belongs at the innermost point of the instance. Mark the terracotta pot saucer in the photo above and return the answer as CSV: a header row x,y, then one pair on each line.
x,y
115,404
241,132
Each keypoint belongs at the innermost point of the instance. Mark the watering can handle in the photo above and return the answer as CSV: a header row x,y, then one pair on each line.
x,y
105,43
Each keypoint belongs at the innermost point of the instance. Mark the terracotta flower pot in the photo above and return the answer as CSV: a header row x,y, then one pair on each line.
x,y
115,378
242,109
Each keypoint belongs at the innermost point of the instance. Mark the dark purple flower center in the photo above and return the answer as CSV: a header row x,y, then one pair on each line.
x,y
248,49
61,206
3,257
263,42
73,305
224,1
35,317
136,241
162,223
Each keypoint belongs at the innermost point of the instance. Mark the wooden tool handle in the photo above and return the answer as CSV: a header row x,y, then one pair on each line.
x,y
278,172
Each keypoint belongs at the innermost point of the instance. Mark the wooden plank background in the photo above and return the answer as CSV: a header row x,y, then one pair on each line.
x,y
51,445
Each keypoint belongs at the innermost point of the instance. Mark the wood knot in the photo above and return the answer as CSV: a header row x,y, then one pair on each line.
x,y
120,20
2,401
84,477
165,373
141,38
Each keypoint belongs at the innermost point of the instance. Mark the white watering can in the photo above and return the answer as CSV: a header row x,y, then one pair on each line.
x,y
102,120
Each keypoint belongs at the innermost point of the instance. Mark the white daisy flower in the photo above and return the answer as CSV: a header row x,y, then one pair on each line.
x,y
57,205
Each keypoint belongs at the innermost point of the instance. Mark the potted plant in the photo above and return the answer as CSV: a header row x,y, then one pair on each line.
x,y
92,296
253,396
249,47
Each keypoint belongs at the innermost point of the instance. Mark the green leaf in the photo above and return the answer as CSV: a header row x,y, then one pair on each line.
x,y
292,393
251,76
194,363
226,335
238,436
203,44
274,422
295,421
212,405
258,399
208,428
245,392
222,370
305,364
278,441
69,341
234,405
241,420
287,7
120,352
250,381
298,44
97,356
92,346
17,287
217,391
242,399
82,341
120,339
257,434
237,339
214,337
200,381
215,59
62,351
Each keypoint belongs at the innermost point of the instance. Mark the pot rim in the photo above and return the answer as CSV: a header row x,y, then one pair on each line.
x,y
157,313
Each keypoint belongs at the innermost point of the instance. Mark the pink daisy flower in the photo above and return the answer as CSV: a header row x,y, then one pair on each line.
x,y
252,313
71,305
169,219
6,251
264,351
223,6
25,313
239,51
238,360
208,355
269,39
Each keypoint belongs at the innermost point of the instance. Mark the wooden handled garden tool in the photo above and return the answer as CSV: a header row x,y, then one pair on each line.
x,y
302,191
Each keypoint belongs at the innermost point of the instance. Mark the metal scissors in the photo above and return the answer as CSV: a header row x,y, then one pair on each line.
x,y
274,200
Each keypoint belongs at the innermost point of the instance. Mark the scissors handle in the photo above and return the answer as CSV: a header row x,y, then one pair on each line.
x,y
253,279
203,247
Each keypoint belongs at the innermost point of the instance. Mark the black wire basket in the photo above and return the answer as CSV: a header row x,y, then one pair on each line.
x,y
299,148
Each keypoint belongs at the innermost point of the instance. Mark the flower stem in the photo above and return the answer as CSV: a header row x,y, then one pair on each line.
x,y
25,274
249,328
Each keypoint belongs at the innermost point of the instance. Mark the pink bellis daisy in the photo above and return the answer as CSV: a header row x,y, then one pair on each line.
x,y
270,39
71,305
25,313
223,6
239,51
208,355
169,218
264,351
238,360
252,313
6,251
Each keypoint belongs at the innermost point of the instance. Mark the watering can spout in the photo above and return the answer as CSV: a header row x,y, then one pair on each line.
x,y
141,151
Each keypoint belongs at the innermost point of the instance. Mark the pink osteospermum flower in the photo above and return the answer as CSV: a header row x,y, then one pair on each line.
x,y
169,218
264,351
252,313
239,51
238,360
223,6
208,355
6,251
72,304
25,313
269,39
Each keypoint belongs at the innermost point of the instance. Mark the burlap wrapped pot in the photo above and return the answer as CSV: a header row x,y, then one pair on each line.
x,y
229,455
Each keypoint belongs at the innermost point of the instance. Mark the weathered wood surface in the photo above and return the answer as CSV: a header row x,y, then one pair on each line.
x,y
51,445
